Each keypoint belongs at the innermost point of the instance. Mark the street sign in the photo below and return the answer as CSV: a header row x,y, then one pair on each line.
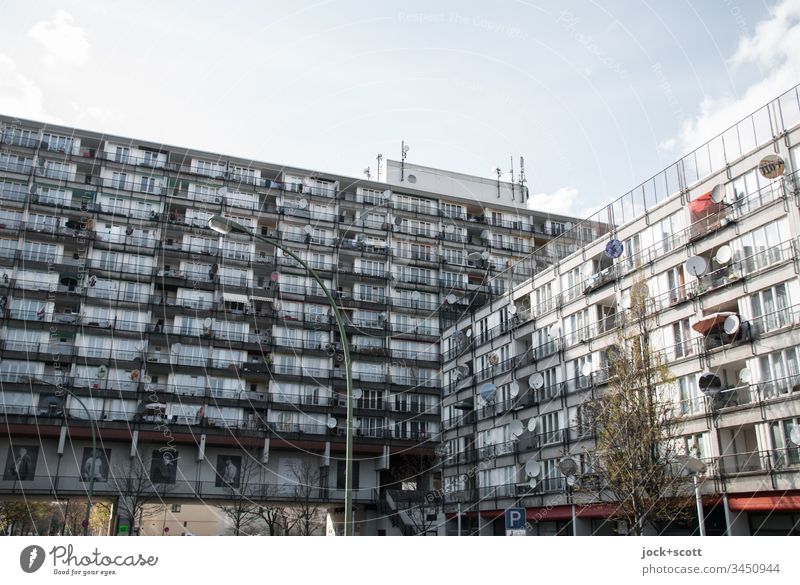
x,y
515,522
122,530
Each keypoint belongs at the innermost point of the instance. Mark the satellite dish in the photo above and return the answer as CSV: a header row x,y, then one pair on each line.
x,y
794,435
567,466
516,428
488,391
536,381
586,369
486,234
533,468
485,255
731,324
207,323
771,166
357,393
356,424
718,193
308,229
222,191
570,480
398,221
696,266
474,256
568,226
554,331
692,464
614,249
451,299
723,255
449,229
176,348
140,345
532,483
493,359
532,424
468,332
710,384
744,376
415,295
331,423
514,389
101,372
302,204
512,309
463,371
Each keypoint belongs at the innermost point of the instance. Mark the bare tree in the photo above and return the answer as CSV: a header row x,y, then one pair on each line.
x,y
306,516
635,458
241,507
136,490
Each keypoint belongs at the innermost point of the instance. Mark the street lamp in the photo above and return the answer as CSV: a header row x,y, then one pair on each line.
x,y
695,467
225,226
61,389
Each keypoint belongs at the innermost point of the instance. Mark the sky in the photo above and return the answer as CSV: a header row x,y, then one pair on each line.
x,y
597,96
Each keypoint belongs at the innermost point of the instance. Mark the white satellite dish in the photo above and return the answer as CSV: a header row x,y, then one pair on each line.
x,y
468,332
718,193
449,229
516,428
514,389
398,221
554,331
331,423
356,424
744,376
731,324
536,381
308,229
794,435
533,468
488,391
485,255
532,424
696,266
586,369
512,309
357,394
302,204
451,299
207,323
570,480
222,191
176,348
474,256
723,255
532,483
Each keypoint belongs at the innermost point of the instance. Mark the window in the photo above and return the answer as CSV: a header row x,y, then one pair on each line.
x,y
341,471
550,429
147,185
695,445
670,230
787,452
770,309
779,372
681,335
175,508
691,401
119,180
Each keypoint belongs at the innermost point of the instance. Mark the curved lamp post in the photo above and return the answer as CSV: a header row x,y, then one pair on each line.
x,y
225,226
60,389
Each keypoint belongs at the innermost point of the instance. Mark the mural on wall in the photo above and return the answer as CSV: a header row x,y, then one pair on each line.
x,y
228,467
21,463
97,465
164,466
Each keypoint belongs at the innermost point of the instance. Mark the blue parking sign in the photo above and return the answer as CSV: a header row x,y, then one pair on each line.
x,y
515,518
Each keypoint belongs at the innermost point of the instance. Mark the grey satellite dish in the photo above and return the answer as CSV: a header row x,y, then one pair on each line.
x,y
356,424
532,424
332,423
512,309
222,191
398,221
207,323
614,249
176,348
696,266
771,166
586,369
710,384
468,332
474,256
794,435
516,428
533,468
357,394
723,255
554,331
488,391
449,229
570,480
731,324
692,464
536,381
744,376
514,389
568,226
485,255
451,299
463,371
308,229
302,204
718,193
532,483
567,466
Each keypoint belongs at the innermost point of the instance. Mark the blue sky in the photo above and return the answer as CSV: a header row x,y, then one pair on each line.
x,y
596,96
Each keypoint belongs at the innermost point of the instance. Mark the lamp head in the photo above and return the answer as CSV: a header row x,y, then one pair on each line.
x,y
222,225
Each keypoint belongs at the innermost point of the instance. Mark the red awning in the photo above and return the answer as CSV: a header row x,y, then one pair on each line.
x,y
704,205
782,503
708,322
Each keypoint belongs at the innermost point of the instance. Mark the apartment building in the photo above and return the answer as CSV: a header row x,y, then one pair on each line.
x,y
212,365
714,237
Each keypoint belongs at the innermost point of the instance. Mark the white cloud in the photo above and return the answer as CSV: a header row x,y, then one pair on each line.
x,y
19,96
560,202
62,41
773,48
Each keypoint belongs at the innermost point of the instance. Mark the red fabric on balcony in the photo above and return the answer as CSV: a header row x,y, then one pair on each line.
x,y
704,205
708,322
